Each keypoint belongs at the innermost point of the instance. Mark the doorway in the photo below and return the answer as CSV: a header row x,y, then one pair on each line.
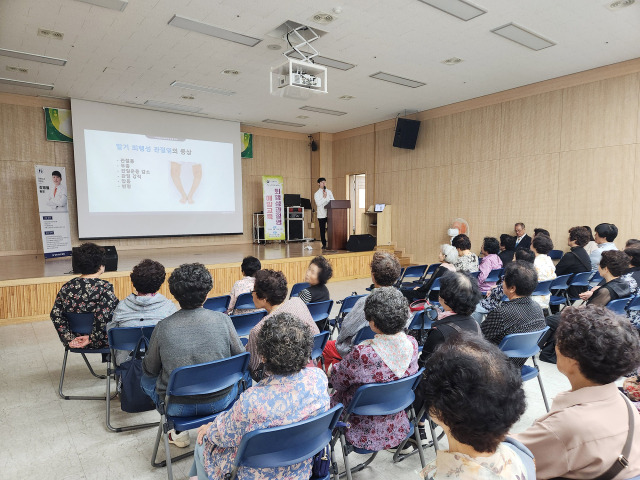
x,y
356,193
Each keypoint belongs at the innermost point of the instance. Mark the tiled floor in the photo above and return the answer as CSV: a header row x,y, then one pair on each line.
x,y
45,437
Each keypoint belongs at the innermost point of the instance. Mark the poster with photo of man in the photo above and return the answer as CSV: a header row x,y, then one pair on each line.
x,y
54,210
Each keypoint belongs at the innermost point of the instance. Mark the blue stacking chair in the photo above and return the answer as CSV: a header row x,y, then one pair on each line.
x,y
319,342
525,345
365,333
431,270
346,306
218,304
475,274
244,322
80,324
595,279
201,379
423,320
435,287
543,288
560,285
244,302
634,305
375,399
495,275
297,288
619,306
525,455
397,283
413,272
579,280
124,338
555,254
286,445
320,312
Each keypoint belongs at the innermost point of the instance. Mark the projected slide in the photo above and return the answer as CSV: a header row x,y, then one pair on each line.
x,y
128,172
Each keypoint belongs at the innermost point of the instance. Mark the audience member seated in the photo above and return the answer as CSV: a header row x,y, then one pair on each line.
x,y
522,239
191,336
605,234
541,245
250,265
592,245
146,306
459,295
270,292
448,256
577,259
390,355
632,242
385,270
539,231
631,388
613,264
289,393
318,274
490,261
85,294
631,275
521,313
475,394
467,260
507,248
584,433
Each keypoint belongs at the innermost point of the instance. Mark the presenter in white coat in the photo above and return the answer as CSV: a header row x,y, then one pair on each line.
x,y
322,197
57,200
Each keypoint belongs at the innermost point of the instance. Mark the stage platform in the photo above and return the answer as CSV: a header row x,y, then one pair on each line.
x,y
28,284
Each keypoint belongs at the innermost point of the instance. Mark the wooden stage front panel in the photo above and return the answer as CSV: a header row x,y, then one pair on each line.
x,y
30,299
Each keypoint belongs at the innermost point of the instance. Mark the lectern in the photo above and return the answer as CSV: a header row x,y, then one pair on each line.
x,y
337,211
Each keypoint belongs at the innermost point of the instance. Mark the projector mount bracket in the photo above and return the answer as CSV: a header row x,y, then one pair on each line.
x,y
301,44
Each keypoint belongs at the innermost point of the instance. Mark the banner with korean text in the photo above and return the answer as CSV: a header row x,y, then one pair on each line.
x,y
273,201
54,212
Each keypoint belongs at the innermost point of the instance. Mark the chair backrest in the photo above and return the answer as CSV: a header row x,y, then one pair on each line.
x,y
207,378
414,271
126,338
365,333
218,304
287,444
555,254
561,282
384,398
595,278
348,303
522,345
432,268
618,306
244,322
81,323
245,301
634,305
475,274
494,275
319,342
524,454
320,310
297,288
426,316
543,288
580,279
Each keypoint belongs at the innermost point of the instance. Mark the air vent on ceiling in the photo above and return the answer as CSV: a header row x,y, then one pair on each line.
x,y
17,69
617,5
452,61
346,97
322,18
44,32
187,97
230,71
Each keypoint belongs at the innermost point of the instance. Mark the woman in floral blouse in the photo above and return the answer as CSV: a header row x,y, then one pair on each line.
x,y
289,393
85,294
467,260
390,355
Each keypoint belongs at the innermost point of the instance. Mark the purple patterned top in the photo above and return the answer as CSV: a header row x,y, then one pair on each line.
x,y
362,366
276,400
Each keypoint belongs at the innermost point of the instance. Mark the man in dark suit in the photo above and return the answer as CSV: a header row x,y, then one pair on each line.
x,y
522,239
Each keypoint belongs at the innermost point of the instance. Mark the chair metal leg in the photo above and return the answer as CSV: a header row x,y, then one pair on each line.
x,y
416,434
62,372
544,395
108,420
154,455
91,368
163,427
345,456
334,470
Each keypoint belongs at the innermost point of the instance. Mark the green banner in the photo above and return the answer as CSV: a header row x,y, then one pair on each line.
x,y
247,145
58,124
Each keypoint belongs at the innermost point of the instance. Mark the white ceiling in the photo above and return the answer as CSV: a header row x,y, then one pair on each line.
x,y
133,56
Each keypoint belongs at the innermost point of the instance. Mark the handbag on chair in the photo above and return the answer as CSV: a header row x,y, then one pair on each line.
x,y
132,397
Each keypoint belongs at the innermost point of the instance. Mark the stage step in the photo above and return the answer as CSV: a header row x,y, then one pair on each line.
x,y
404,259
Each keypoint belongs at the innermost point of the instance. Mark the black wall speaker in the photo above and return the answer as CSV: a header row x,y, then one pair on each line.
x,y
110,259
314,146
406,133
361,243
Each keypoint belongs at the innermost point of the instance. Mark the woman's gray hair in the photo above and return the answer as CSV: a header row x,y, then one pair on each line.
x,y
388,309
285,342
450,253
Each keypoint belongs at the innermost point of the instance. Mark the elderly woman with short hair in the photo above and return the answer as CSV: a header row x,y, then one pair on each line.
x,y
317,276
448,256
541,245
289,393
390,355
585,432
467,260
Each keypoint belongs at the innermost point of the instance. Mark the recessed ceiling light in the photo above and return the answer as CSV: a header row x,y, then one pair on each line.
x,y
32,57
44,32
202,88
119,5
188,97
230,71
194,26
280,122
524,37
324,61
22,83
17,69
458,8
302,116
322,18
323,110
452,61
617,5
171,106
274,46
346,97
387,77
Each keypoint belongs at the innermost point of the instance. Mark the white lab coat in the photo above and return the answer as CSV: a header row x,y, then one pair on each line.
x,y
322,202
59,200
